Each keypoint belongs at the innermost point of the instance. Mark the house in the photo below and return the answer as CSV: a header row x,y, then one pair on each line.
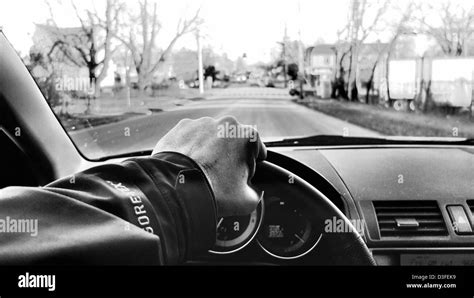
x,y
322,65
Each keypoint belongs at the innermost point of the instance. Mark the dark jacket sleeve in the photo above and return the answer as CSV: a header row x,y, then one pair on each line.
x,y
144,211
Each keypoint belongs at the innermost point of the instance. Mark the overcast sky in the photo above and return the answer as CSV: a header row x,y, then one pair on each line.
x,y
232,26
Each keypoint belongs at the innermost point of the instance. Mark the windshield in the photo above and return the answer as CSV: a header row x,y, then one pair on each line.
x,y
119,74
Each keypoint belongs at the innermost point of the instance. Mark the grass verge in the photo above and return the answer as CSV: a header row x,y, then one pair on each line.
x,y
393,123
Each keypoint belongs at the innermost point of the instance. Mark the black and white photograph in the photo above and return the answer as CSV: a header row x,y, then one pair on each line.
x,y
202,147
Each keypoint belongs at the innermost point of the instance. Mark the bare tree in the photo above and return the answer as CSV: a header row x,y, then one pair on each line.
x,y
381,51
140,40
455,27
90,45
341,50
399,28
364,19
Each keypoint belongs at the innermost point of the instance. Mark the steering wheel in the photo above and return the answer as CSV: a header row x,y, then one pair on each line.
x,y
345,247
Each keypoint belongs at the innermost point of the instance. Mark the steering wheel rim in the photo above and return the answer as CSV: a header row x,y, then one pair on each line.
x,y
334,248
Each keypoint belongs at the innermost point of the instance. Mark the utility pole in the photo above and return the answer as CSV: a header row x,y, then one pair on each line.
x,y
200,65
471,108
300,53
127,79
283,53
354,27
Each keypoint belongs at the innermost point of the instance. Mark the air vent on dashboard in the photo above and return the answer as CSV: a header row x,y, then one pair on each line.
x,y
409,219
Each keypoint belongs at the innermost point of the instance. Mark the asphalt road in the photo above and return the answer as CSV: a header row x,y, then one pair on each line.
x,y
273,117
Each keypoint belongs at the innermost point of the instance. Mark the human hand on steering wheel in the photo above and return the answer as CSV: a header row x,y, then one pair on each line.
x,y
227,152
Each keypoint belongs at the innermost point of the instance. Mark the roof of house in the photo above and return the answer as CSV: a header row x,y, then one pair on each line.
x,y
321,49
329,49
54,30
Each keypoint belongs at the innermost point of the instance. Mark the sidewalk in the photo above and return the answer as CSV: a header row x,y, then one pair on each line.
x,y
112,106
163,101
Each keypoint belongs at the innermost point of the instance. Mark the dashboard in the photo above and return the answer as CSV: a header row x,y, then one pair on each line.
x,y
413,205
